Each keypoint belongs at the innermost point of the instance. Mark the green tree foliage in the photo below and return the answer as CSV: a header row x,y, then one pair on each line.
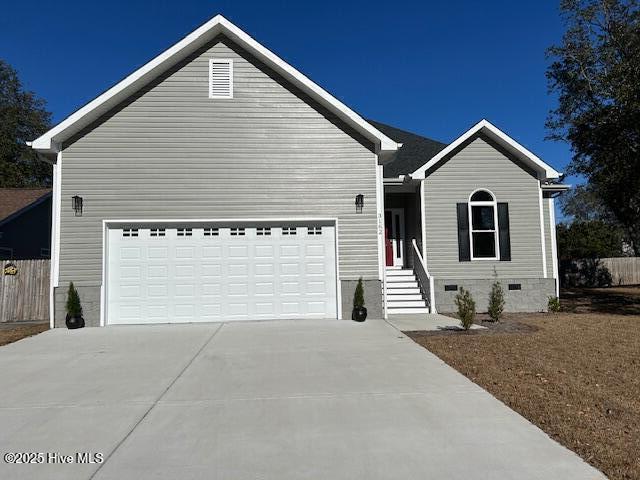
x,y
23,117
358,297
466,308
74,308
582,204
596,74
496,299
589,239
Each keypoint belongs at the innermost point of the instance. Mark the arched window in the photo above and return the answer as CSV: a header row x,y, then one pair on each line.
x,y
483,220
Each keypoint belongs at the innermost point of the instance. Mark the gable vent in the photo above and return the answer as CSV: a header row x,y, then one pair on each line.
x,y
220,78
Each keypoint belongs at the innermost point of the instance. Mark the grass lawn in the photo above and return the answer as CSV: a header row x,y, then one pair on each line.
x,y
575,374
14,332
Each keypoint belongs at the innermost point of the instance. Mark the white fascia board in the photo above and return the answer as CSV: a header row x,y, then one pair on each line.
x,y
484,126
555,187
217,25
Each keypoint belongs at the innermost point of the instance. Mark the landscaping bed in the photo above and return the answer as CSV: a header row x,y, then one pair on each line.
x,y
574,375
13,332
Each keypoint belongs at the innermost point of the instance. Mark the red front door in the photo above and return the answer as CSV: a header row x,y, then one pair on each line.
x,y
388,244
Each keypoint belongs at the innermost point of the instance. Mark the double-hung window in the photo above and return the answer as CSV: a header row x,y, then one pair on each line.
x,y
483,233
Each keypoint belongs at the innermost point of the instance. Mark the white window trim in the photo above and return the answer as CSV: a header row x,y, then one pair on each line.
x,y
495,231
228,61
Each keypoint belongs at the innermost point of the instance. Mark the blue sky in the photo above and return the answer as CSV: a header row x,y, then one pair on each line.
x,y
434,68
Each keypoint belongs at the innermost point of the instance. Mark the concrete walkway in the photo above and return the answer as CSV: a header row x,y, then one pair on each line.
x,y
269,400
427,321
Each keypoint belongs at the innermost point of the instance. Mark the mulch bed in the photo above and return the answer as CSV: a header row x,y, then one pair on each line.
x,y
17,332
574,375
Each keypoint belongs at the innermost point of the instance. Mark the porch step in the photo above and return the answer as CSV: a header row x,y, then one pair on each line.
x,y
401,278
406,303
393,272
395,297
395,285
400,311
403,292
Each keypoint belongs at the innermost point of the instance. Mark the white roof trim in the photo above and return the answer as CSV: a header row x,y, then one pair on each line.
x,y
493,132
48,142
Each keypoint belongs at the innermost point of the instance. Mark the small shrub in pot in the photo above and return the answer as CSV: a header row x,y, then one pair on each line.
x,y
74,309
359,313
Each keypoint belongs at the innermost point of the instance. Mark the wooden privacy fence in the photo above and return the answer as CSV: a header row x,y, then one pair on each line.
x,y
600,272
623,270
25,295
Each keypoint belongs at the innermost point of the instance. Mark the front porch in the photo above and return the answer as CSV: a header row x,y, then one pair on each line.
x,y
407,289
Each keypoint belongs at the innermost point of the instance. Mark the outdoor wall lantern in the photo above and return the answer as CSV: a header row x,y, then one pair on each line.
x,y
77,205
359,203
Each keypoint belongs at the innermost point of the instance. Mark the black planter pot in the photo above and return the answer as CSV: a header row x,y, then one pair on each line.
x,y
359,314
74,322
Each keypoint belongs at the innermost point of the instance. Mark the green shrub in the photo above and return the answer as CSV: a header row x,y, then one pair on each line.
x,y
496,300
358,296
466,308
554,304
74,309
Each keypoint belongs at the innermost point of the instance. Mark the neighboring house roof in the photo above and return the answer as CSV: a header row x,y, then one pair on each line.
x,y
415,150
13,201
49,142
494,133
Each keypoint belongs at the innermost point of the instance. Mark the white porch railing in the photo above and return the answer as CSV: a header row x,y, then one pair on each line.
x,y
424,278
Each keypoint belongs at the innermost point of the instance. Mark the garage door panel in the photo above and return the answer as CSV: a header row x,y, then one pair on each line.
x,y
184,271
263,251
157,291
262,269
290,269
211,290
289,251
238,289
158,253
238,270
185,290
236,251
185,310
211,252
186,253
157,272
191,274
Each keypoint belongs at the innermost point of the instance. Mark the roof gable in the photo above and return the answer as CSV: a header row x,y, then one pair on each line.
x,y
544,170
50,141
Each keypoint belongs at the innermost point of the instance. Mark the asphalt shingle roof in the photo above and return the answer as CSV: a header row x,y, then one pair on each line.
x,y
15,199
415,152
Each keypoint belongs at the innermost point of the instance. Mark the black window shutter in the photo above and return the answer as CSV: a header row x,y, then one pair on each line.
x,y
464,247
503,231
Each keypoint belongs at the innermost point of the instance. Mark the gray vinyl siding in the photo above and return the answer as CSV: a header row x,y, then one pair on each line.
x,y
480,165
170,152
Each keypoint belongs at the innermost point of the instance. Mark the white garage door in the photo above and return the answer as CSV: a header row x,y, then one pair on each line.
x,y
204,273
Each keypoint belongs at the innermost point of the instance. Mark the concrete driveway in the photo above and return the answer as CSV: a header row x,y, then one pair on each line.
x,y
259,400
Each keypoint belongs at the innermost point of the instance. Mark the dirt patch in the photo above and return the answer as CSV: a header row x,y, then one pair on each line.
x,y
614,300
13,333
575,375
